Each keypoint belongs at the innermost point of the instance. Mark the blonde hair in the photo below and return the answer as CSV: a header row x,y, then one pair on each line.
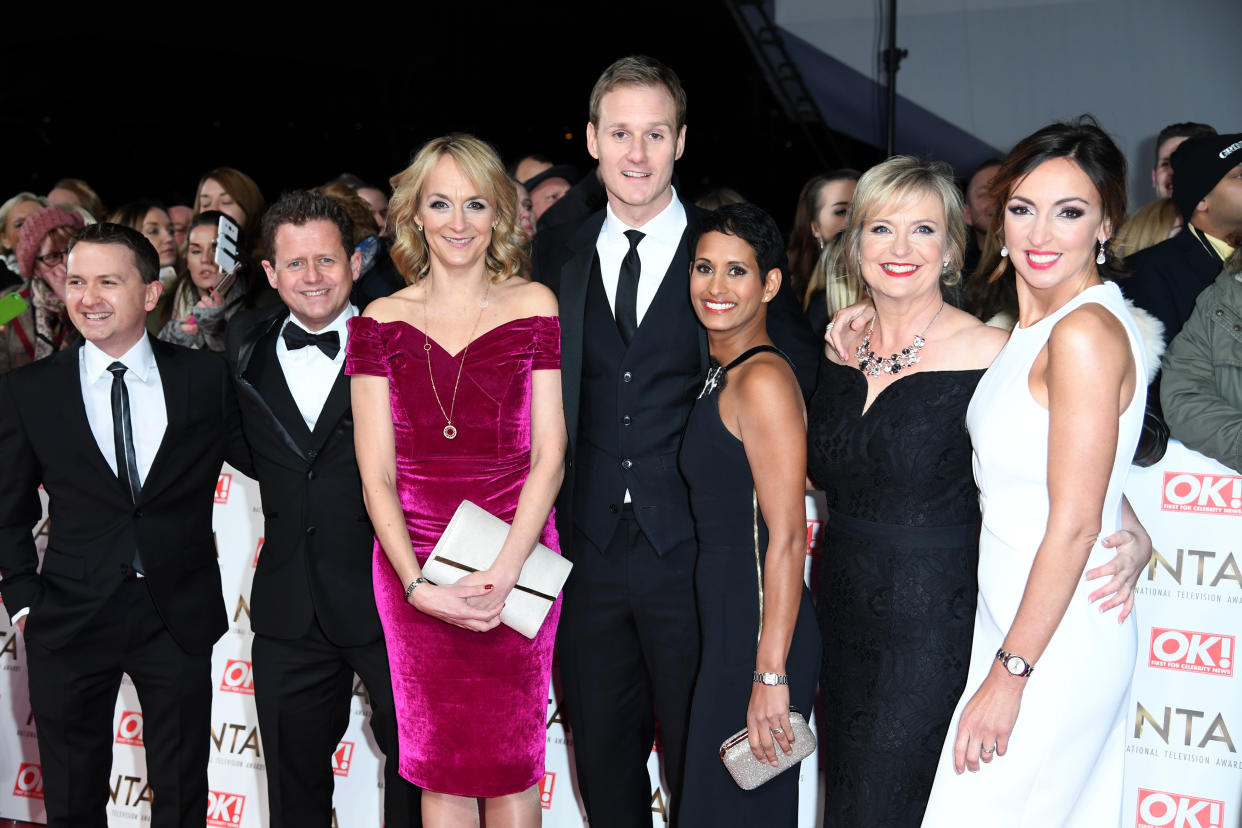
x,y
1148,226
506,253
895,180
841,288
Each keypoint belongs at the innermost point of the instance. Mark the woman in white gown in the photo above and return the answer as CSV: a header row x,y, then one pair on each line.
x,y
1054,423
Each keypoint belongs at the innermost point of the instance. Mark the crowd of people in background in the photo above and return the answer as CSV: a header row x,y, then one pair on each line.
x,y
443,294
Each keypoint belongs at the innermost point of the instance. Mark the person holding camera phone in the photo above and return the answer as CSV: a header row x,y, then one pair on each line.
x,y
203,298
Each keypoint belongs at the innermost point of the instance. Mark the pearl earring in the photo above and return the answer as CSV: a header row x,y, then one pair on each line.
x,y
1101,257
1004,252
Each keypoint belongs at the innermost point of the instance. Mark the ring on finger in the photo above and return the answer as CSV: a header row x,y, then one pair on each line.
x,y
829,327
778,730
988,751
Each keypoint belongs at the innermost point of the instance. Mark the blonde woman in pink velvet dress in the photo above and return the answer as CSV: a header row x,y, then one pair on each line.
x,y
457,396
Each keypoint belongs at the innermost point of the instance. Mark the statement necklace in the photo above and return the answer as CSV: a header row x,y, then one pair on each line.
x,y
873,366
450,430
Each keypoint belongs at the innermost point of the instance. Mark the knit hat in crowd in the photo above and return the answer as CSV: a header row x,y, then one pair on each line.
x,y
1199,164
35,230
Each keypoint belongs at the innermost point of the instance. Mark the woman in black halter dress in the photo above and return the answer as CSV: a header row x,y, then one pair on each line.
x,y
744,459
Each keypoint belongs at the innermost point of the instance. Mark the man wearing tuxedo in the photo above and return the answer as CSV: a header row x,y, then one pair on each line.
x,y
127,435
312,604
633,357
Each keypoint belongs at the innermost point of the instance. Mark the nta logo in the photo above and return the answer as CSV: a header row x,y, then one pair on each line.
x,y
237,677
1192,652
224,810
29,781
129,730
1158,809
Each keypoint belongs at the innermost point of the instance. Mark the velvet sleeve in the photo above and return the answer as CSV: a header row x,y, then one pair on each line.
x,y
364,349
547,344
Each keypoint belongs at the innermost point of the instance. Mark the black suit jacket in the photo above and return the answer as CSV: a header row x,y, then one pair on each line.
x,y
562,259
1167,278
46,438
316,557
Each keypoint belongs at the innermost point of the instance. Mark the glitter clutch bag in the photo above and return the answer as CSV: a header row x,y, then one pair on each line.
x,y
748,772
471,542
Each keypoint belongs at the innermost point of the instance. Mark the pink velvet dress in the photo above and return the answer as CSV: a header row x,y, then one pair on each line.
x,y
470,706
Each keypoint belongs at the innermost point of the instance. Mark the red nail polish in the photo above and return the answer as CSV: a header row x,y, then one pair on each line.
x,y
488,586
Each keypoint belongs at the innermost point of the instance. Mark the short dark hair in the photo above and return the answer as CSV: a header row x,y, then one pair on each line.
x,y
750,224
135,213
146,260
301,206
1186,129
639,70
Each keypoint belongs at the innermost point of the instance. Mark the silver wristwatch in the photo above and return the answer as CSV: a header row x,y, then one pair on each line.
x,y
414,583
1015,665
771,679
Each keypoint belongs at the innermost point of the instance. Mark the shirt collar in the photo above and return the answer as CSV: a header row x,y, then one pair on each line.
x,y
1220,246
666,227
339,324
139,360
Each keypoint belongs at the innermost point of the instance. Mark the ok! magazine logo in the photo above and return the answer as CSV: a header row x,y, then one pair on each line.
x,y
129,729
342,758
29,781
545,789
1160,809
237,677
1204,494
1192,652
223,483
224,810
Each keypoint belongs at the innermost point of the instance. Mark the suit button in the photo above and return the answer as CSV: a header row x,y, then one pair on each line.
x,y
310,530
1237,328
612,507
626,420
311,454
310,475
1220,312
627,376
627,464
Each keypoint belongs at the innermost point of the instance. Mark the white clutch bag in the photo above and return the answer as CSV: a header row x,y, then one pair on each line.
x,y
472,541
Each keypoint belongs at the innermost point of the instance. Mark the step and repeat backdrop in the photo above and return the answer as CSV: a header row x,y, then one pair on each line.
x,y
1183,767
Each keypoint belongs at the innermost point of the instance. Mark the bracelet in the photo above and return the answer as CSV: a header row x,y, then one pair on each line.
x,y
414,583
771,679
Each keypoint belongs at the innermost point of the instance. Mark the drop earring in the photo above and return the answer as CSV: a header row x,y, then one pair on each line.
x,y
1004,252
1101,257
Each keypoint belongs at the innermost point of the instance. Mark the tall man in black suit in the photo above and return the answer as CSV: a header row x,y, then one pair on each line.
x,y
632,359
312,604
127,435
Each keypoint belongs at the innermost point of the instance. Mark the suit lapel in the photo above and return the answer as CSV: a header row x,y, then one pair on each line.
x,y
333,409
176,386
69,382
265,377
574,279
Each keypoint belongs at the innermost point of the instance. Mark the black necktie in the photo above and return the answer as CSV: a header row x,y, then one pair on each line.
x,y
627,288
296,336
123,441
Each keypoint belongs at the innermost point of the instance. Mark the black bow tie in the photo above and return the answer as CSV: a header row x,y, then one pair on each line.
x,y
296,337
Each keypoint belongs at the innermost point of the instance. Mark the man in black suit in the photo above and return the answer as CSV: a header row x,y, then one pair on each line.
x,y
632,359
127,435
312,603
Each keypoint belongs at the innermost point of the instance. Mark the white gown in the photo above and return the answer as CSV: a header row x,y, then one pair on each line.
x,y
1066,753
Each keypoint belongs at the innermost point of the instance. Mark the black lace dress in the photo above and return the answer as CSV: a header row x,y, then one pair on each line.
x,y
897,584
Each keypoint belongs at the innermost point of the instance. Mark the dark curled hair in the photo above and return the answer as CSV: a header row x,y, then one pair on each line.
x,y
750,224
1086,145
146,260
300,207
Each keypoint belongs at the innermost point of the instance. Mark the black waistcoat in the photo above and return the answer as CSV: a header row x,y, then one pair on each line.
x,y
634,405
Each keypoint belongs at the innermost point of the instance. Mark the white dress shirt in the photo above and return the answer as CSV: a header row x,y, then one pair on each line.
x,y
147,413
662,236
309,372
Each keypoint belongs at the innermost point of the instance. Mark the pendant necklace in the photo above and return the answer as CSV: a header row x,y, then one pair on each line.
x,y
450,430
873,366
